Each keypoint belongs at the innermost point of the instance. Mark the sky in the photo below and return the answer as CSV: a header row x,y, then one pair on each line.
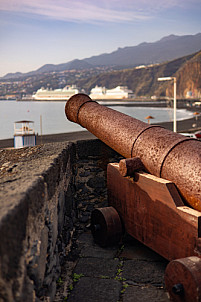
x,y
38,32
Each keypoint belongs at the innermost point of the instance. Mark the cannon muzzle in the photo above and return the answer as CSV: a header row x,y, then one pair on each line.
x,y
163,153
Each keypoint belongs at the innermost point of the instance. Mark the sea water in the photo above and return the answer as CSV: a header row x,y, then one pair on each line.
x,y
50,116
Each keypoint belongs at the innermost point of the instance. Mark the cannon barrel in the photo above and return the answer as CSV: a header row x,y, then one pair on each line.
x,y
163,153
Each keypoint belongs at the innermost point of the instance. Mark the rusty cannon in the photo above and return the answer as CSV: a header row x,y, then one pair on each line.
x,y
154,194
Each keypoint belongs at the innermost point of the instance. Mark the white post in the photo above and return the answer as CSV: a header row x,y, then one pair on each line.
x,y
175,105
175,99
41,132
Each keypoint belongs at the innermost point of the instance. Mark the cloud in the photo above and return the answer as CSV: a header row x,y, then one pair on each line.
x,y
92,10
78,11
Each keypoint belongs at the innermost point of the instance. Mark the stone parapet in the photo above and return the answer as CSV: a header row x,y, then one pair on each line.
x,y
46,191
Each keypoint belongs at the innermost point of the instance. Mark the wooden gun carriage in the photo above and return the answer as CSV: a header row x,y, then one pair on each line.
x,y
154,194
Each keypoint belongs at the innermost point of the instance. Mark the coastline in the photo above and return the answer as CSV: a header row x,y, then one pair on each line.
x,y
182,126
188,125
52,138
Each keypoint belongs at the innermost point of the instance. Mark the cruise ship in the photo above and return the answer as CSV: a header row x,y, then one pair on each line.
x,y
56,94
119,92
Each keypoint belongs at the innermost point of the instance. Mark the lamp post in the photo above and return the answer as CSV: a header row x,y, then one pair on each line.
x,y
175,99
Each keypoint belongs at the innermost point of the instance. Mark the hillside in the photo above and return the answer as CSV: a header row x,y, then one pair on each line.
x,y
143,81
48,68
166,49
189,77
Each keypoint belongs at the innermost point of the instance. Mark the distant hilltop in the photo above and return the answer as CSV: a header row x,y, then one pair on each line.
x,y
143,80
166,49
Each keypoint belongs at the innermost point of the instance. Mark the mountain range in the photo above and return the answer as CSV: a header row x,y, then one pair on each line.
x,y
166,49
143,81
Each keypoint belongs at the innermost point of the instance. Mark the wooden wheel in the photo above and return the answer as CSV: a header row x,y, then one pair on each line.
x,y
106,226
183,279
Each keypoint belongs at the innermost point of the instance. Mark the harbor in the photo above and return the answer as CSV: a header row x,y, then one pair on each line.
x,y
53,122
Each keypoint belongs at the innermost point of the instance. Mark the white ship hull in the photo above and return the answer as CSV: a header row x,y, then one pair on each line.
x,y
55,95
117,93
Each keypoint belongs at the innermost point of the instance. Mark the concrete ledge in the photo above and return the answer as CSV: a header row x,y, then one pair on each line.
x,y
44,192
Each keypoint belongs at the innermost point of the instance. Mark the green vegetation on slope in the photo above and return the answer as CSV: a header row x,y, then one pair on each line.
x,y
143,81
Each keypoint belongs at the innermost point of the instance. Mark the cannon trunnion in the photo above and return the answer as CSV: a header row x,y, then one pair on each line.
x,y
154,194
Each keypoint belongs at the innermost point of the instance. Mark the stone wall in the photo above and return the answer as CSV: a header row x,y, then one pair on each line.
x,y
44,197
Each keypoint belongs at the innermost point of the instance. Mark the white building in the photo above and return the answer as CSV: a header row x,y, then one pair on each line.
x,y
24,134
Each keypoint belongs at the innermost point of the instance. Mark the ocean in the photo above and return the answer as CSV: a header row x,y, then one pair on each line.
x,y
54,119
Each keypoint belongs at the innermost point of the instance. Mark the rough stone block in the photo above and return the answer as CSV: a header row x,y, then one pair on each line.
x,y
91,289
39,210
144,272
97,267
142,294
137,250
90,249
